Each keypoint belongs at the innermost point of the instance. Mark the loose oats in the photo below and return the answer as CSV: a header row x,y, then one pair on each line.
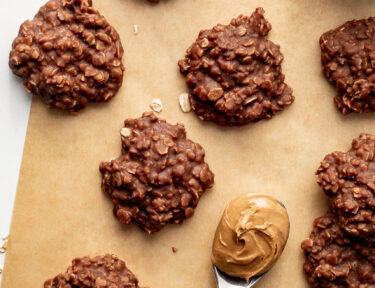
x,y
135,29
184,102
156,105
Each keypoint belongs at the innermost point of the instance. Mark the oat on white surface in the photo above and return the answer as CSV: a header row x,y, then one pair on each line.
x,y
184,102
156,105
4,245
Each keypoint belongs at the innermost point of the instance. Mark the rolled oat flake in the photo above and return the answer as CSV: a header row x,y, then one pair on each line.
x,y
156,105
184,102
135,29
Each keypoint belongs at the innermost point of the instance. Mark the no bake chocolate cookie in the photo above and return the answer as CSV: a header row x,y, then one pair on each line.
x,y
68,55
348,178
336,260
103,271
160,176
234,73
348,59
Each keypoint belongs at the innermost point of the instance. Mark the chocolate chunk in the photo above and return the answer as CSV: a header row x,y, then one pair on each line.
x,y
234,73
99,272
348,59
348,178
68,55
336,260
160,176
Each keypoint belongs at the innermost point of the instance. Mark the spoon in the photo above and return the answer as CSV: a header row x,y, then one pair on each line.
x,y
226,281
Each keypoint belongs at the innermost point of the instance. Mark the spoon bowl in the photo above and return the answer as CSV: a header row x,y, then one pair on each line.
x,y
226,281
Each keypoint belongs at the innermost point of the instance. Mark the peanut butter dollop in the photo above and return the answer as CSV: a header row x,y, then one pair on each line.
x,y
251,236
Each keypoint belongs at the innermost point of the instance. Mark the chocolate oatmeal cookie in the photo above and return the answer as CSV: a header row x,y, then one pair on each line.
x,y
160,176
336,260
348,59
348,178
68,55
103,271
234,73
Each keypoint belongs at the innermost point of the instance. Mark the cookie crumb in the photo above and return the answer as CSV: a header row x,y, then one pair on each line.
x,y
174,250
1,270
156,105
135,29
184,102
5,238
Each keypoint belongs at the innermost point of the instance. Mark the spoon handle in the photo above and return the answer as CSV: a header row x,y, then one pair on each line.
x,y
225,281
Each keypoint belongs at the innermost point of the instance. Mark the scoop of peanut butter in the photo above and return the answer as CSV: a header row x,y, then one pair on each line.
x,y
251,236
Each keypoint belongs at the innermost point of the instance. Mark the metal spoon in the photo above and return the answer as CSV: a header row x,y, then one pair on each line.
x,y
225,281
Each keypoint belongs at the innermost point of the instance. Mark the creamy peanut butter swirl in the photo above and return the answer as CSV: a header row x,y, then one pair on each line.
x,y
251,236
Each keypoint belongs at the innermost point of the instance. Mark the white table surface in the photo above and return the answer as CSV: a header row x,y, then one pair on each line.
x,y
14,107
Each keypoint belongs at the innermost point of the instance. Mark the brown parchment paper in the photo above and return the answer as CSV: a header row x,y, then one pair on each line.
x,y
60,212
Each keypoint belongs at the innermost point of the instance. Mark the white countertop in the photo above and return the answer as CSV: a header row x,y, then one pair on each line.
x,y
14,108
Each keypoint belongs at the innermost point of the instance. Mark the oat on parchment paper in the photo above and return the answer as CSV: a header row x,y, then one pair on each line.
x,y
156,105
184,102
135,29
